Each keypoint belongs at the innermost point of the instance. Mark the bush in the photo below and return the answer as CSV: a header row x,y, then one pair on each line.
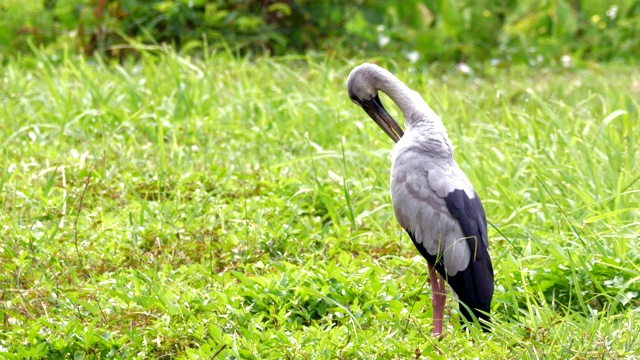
x,y
450,30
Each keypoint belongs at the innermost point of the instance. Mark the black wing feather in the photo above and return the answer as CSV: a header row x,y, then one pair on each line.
x,y
474,285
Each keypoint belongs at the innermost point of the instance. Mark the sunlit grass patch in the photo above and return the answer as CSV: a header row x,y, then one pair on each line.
x,y
233,208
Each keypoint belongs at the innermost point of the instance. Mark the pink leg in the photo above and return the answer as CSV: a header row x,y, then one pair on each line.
x,y
438,299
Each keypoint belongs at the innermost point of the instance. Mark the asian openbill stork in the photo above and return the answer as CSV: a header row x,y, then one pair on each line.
x,y
432,198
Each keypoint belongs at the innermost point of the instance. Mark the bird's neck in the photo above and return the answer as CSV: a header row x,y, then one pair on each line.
x,y
417,114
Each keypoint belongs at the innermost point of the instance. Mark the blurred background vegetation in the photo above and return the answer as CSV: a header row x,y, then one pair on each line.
x,y
530,31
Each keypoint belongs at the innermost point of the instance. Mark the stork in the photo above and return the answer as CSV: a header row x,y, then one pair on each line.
x,y
433,199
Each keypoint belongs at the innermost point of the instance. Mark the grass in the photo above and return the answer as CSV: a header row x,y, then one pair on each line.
x,y
216,207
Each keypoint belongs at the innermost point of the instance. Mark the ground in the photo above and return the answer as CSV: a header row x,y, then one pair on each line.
x,y
194,208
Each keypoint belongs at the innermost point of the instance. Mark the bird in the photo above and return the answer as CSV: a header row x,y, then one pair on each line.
x,y
433,200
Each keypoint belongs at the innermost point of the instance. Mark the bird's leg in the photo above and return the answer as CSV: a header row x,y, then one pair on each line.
x,y
438,299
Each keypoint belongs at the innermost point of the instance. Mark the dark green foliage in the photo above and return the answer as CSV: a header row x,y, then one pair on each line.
x,y
451,30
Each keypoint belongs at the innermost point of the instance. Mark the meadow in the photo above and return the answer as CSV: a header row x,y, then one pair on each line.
x,y
217,207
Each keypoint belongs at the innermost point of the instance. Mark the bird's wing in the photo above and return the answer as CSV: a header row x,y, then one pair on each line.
x,y
435,203
472,220
419,194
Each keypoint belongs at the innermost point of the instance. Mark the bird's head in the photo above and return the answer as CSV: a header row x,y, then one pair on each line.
x,y
362,86
362,83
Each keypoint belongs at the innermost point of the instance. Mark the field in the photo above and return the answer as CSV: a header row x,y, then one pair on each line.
x,y
233,208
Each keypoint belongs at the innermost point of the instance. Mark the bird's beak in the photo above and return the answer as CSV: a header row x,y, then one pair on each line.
x,y
380,115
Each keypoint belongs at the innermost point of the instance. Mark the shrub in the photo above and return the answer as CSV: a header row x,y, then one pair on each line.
x,y
450,30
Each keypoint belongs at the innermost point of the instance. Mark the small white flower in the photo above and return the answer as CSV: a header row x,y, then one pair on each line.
x,y
383,40
464,68
413,56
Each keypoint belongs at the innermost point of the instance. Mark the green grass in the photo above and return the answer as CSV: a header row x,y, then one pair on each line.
x,y
177,207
